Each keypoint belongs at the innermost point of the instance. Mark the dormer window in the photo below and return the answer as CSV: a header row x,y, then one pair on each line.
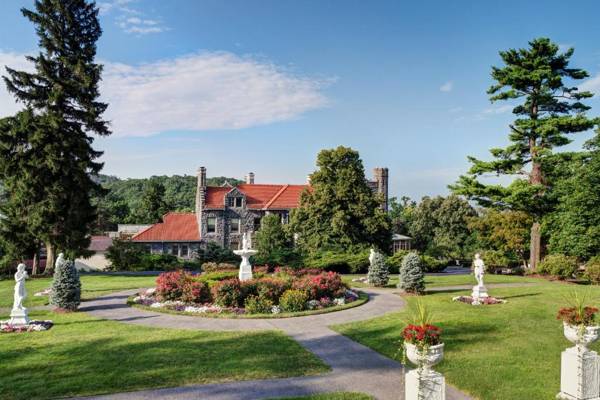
x,y
236,202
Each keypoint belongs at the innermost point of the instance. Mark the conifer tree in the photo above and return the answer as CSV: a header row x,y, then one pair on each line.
x,y
62,92
340,209
412,279
550,109
153,205
378,270
66,286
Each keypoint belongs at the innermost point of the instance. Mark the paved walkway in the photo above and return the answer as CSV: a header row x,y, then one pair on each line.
x,y
354,366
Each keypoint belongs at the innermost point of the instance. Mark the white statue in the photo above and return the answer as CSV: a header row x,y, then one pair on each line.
x,y
479,291
371,256
18,315
60,260
245,266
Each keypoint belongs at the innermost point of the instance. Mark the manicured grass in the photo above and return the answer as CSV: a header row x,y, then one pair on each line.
x,y
363,298
92,286
499,352
331,396
446,280
81,355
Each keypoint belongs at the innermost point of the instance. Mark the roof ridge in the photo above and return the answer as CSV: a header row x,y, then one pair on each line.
x,y
276,196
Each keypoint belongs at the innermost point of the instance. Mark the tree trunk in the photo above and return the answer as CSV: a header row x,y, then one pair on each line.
x,y
35,264
49,259
535,246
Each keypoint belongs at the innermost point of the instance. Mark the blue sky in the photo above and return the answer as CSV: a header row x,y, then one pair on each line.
x,y
262,86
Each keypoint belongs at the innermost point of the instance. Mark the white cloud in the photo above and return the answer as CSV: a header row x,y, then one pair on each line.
x,y
198,92
141,25
129,19
592,85
8,106
447,87
498,109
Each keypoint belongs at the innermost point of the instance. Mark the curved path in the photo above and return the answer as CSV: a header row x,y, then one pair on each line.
x,y
354,366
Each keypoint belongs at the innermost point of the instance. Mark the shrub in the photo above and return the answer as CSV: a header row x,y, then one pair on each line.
x,y
378,271
180,285
157,262
412,279
124,255
66,286
395,261
218,276
215,253
258,305
228,293
592,270
559,265
272,288
495,260
293,300
326,284
432,264
218,267
342,262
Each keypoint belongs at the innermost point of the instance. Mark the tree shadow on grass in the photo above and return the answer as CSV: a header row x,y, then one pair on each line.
x,y
521,295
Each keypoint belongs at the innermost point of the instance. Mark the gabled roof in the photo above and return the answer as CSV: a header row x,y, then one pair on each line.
x,y
176,227
258,196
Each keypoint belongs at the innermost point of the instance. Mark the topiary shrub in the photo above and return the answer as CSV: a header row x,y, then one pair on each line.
x,y
293,300
258,305
228,293
378,271
412,279
326,284
66,286
558,265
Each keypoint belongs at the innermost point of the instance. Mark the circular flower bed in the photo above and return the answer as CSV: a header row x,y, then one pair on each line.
x,y
285,292
483,301
33,326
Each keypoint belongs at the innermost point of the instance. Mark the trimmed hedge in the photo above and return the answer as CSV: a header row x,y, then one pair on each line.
x,y
340,262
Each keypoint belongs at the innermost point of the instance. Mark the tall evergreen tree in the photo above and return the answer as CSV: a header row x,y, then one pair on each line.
x,y
63,94
340,210
550,109
153,205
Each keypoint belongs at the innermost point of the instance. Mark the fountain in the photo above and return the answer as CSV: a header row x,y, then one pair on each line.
x,y
245,253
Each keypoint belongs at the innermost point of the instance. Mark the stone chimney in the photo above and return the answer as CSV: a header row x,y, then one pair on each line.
x,y
250,178
200,194
381,176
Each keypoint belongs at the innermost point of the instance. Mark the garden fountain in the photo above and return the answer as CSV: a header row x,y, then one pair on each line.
x,y
245,252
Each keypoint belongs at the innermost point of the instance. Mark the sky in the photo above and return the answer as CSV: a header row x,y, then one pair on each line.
x,y
263,85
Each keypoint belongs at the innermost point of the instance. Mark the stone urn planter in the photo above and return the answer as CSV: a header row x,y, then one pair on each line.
x,y
426,358
581,336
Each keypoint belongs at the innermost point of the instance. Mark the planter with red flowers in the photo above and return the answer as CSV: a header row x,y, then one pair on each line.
x,y
579,378
423,347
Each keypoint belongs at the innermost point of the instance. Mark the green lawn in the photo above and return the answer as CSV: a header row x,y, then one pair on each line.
x,y
331,396
500,352
81,355
445,280
91,285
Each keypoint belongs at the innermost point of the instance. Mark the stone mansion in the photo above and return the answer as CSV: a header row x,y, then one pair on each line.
x,y
223,213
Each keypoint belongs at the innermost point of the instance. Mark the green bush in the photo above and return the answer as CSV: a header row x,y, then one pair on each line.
x,y
293,300
157,262
124,255
66,286
378,271
258,305
341,262
395,261
215,253
495,260
216,267
592,270
228,293
559,265
432,264
218,276
412,279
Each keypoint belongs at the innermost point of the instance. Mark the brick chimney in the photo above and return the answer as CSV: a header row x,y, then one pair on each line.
x,y
381,176
250,178
200,195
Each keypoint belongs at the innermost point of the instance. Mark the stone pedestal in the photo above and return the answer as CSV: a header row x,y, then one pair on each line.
x,y
424,385
18,317
245,273
579,375
479,292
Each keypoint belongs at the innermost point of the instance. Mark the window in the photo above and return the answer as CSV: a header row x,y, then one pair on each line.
x,y
211,224
183,250
256,224
238,201
234,225
235,202
285,218
174,249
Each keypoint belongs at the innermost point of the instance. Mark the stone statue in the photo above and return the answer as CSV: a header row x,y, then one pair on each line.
x,y
371,256
18,315
245,245
246,252
60,260
479,291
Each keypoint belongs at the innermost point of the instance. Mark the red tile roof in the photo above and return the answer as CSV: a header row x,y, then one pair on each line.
x,y
258,196
176,227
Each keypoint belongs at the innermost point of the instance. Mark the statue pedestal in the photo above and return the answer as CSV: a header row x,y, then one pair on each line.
x,y
18,317
479,292
579,375
424,384
245,273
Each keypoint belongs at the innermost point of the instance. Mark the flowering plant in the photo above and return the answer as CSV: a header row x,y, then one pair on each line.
x,y
422,336
578,314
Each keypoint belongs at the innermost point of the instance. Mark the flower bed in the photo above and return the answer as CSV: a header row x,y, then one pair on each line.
x,y
279,294
33,326
482,301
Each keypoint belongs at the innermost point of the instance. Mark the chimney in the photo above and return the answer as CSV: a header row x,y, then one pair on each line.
x,y
381,176
250,178
200,195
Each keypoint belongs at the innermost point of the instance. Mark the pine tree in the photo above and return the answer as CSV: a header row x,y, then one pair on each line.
x,y
62,92
412,279
550,109
66,286
153,205
378,270
340,210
